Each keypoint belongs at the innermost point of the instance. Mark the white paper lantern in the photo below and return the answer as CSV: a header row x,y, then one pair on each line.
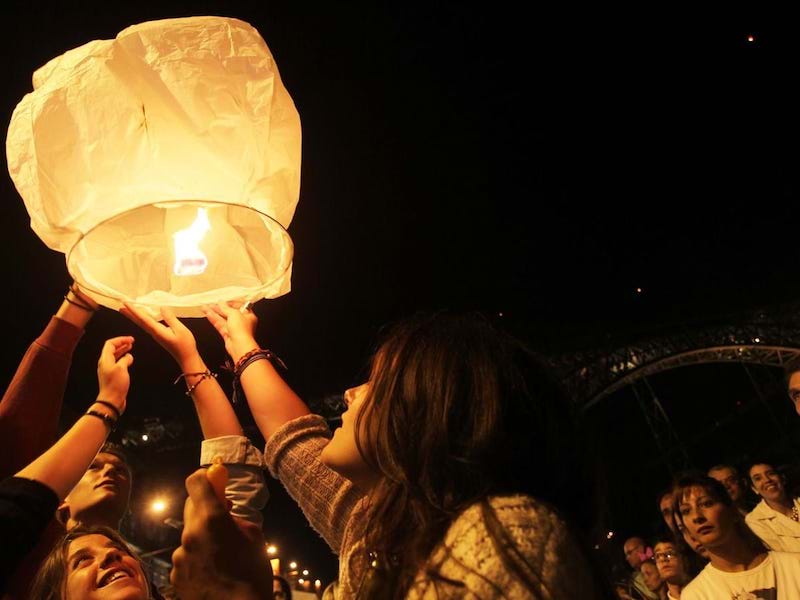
x,y
165,164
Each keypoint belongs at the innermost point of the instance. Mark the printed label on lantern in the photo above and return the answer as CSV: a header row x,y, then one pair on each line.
x,y
189,259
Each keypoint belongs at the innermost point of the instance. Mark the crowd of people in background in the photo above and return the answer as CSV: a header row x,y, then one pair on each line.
x,y
731,532
428,489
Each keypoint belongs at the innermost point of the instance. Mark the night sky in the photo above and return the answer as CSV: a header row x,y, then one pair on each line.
x,y
537,165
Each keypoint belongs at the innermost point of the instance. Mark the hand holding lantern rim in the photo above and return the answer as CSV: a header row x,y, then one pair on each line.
x,y
236,328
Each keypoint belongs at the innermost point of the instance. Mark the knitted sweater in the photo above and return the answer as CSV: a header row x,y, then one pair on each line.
x,y
336,510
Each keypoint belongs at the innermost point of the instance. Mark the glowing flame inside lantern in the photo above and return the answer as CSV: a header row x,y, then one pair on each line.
x,y
189,259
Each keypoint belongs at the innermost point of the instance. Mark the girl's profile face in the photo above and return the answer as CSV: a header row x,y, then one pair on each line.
x,y
341,454
100,569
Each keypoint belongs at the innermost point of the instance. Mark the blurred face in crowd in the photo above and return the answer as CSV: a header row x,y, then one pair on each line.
x,y
101,496
100,569
669,562
632,548
342,454
696,546
767,483
794,390
651,577
731,480
665,506
707,519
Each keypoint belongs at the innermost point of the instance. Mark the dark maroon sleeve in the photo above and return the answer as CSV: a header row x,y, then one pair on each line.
x,y
31,406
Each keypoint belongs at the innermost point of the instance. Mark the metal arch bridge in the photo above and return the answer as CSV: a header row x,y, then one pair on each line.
x,y
769,338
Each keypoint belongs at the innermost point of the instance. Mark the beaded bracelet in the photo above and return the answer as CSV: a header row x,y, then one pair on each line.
x,y
203,375
107,419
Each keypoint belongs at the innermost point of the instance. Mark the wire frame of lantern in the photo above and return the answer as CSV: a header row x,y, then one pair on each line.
x,y
165,164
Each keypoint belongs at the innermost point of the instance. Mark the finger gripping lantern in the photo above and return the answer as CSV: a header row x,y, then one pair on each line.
x,y
165,164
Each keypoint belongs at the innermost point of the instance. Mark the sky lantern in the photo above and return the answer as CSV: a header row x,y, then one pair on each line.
x,y
164,164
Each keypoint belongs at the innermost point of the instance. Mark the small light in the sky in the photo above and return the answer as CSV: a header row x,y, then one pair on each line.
x,y
751,38
757,340
499,314
638,290
610,535
145,437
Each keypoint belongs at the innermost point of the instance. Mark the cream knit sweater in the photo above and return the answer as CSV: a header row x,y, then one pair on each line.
x,y
336,510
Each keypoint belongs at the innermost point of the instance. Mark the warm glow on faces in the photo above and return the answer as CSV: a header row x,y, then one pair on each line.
x,y
669,563
767,482
341,454
189,259
730,479
98,569
651,577
707,520
105,487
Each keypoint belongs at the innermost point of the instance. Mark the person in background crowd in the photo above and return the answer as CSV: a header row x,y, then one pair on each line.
x,y
674,563
29,500
792,373
664,500
91,563
636,552
281,590
776,518
740,566
729,476
421,491
652,579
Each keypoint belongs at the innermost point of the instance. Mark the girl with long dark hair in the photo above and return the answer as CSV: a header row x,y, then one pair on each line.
x,y
450,474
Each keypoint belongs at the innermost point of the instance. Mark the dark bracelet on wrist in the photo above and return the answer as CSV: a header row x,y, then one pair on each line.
x,y
113,408
107,419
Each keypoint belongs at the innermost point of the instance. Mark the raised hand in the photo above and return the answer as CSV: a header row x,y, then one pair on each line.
x,y
216,557
235,326
172,334
112,371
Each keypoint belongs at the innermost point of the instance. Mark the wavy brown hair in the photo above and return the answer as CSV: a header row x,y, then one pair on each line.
x,y
51,580
456,412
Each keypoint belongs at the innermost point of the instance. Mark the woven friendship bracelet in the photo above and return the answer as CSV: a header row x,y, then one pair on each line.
x,y
256,354
245,361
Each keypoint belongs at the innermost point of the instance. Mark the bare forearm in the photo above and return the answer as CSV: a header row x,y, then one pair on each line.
x,y
271,400
62,466
214,412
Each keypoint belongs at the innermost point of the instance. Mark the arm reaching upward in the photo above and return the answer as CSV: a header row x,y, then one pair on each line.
x,y
271,400
60,467
214,412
